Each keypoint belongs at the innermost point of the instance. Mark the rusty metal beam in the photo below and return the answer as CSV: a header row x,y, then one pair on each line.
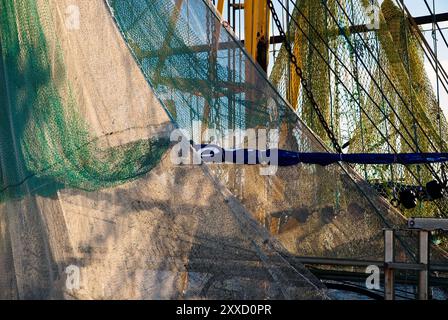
x,y
440,17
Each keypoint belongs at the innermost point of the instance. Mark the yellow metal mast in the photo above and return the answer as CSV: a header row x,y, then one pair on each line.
x,y
220,6
256,30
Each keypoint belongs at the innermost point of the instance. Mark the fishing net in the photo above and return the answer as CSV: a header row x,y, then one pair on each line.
x,y
88,178
88,185
45,139
371,85
206,80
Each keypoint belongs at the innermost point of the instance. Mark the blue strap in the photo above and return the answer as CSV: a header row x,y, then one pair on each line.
x,y
213,153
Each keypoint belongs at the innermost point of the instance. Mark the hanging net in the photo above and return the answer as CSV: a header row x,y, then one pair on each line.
x,y
371,84
91,91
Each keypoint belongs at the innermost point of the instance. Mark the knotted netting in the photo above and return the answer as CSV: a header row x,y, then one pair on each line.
x,y
372,85
88,179
202,74
45,140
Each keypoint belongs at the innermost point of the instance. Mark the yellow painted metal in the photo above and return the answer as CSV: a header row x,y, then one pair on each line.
x,y
220,6
294,82
256,30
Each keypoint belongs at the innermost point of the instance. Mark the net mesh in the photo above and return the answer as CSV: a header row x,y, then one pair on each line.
x,y
208,78
77,147
372,86
49,142
88,180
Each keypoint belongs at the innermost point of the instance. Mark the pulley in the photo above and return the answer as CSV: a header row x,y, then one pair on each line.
x,y
434,190
408,199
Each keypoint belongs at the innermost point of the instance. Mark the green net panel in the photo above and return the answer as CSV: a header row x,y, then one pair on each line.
x,y
44,139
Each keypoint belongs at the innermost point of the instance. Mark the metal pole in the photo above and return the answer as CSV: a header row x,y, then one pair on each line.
x,y
221,7
423,276
389,290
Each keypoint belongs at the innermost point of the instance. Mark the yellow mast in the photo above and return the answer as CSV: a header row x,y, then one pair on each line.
x,y
220,6
256,30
